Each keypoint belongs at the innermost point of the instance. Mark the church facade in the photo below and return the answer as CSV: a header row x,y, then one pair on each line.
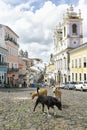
x,y
68,35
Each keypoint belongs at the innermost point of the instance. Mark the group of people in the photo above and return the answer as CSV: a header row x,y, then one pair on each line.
x,y
13,84
24,85
0,83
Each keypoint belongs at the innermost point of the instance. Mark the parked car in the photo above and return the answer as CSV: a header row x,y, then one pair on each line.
x,y
62,85
34,85
72,85
69,85
81,86
46,84
66,85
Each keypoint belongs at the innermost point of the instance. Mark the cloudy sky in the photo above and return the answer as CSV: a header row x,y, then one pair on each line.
x,y
34,22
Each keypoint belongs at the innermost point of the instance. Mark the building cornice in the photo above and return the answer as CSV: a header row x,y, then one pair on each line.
x,y
9,29
78,48
66,50
3,48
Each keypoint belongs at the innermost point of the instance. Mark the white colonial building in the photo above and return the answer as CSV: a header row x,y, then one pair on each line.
x,y
67,35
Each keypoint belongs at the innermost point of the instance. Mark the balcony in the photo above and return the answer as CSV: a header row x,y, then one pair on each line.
x,y
11,40
3,64
12,70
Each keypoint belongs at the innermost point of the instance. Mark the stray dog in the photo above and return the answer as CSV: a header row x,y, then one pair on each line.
x,y
49,101
42,91
57,92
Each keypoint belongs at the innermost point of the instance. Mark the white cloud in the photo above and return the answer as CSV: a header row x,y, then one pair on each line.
x,y
35,28
83,2
17,2
38,50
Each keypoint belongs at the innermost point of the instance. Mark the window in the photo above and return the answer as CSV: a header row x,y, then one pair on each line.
x,y
72,63
2,59
8,35
74,29
15,65
84,76
72,76
76,63
8,65
74,42
2,76
64,63
79,62
76,76
80,76
84,62
12,65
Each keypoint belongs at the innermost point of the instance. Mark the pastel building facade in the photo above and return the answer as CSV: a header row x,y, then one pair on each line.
x,y
3,65
67,35
9,41
3,57
78,63
49,72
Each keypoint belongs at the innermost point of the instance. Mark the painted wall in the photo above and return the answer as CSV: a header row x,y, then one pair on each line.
x,y
80,53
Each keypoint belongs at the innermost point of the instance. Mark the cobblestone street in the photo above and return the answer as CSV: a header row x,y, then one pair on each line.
x,y
16,111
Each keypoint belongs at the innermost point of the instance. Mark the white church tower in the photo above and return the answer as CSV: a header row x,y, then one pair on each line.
x,y
72,28
67,35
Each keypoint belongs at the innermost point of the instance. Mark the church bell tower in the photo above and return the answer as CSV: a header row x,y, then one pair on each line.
x,y
72,29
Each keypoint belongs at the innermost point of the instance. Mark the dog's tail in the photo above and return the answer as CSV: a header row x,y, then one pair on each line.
x,y
38,91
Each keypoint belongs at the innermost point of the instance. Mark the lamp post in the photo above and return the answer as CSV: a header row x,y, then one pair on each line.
x,y
55,77
59,77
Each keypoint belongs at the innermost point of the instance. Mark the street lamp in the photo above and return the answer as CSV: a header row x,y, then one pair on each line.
x,y
59,76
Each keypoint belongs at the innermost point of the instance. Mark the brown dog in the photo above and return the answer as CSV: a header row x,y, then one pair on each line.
x,y
42,91
57,92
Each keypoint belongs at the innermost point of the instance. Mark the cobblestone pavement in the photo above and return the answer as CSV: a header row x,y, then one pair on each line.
x,y
16,111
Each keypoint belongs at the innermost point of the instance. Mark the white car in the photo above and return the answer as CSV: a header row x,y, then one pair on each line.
x,y
81,86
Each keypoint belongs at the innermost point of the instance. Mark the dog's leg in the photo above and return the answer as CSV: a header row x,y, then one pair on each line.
x,y
35,105
48,111
54,111
42,107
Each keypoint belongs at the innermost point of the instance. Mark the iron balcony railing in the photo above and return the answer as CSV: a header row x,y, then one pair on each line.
x,y
12,69
3,64
11,40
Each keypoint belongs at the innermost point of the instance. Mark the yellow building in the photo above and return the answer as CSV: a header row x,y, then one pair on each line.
x,y
49,72
78,63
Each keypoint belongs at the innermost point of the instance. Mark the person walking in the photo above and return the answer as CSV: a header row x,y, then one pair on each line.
x,y
0,83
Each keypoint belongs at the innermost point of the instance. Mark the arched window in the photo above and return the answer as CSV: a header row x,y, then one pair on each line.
x,y
74,29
